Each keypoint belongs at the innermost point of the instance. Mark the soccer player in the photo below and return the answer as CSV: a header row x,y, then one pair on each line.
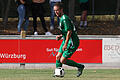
x,y
70,40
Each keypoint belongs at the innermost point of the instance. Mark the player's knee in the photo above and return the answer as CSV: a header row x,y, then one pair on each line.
x,y
57,57
62,61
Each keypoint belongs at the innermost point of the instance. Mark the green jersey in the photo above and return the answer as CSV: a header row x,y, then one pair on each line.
x,y
83,1
65,25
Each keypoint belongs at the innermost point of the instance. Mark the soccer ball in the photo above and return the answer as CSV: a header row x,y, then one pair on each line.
x,y
59,72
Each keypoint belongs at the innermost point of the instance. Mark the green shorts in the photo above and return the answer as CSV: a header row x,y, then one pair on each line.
x,y
69,51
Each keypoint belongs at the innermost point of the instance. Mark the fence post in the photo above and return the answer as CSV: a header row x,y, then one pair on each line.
x,y
117,13
22,65
71,7
6,14
23,36
93,11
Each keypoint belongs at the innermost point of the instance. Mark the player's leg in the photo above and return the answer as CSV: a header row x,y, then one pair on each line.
x,y
69,62
59,55
58,63
64,59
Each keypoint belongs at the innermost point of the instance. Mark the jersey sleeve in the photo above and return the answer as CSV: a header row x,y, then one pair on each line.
x,y
67,24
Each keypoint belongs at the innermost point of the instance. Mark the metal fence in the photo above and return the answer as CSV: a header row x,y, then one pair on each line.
x,y
101,7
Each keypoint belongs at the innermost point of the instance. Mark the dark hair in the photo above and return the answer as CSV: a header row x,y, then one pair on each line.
x,y
59,4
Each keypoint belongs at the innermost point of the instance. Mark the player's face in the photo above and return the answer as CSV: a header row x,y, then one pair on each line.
x,y
57,11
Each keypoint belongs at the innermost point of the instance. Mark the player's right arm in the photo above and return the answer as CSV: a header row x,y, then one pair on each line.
x,y
58,37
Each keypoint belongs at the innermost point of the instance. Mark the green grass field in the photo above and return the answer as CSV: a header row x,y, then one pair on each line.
x,y
46,74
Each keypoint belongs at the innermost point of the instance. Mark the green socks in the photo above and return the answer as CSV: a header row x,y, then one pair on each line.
x,y
73,63
58,63
69,63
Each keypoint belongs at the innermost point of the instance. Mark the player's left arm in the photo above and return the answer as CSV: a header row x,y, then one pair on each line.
x,y
67,39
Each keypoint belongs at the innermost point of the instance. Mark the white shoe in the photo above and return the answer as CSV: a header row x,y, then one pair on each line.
x,y
48,33
51,28
35,33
